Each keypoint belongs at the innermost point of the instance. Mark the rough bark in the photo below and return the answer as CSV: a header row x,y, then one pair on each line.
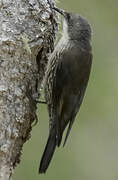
x,y
27,33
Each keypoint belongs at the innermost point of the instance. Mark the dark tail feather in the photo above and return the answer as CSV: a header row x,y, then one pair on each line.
x,y
48,152
68,131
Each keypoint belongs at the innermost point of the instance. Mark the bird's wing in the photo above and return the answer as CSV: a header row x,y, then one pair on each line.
x,y
76,105
69,88
57,101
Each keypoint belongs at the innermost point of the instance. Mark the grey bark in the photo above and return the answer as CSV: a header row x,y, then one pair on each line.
x,y
27,33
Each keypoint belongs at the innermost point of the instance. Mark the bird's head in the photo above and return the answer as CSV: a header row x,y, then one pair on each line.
x,y
76,26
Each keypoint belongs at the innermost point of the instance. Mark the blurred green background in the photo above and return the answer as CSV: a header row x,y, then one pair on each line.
x,y
91,152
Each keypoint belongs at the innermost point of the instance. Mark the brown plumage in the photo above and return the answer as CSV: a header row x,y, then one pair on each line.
x,y
66,80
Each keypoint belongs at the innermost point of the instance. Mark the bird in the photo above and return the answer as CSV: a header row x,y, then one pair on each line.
x,y
66,79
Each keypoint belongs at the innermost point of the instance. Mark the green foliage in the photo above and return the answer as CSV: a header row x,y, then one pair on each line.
x,y
91,152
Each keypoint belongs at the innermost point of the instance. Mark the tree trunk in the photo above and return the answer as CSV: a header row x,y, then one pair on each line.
x,y
27,33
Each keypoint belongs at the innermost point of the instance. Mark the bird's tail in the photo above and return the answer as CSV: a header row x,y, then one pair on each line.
x,y
48,152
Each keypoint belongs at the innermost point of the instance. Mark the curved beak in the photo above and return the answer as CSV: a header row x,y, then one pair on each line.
x,y
61,11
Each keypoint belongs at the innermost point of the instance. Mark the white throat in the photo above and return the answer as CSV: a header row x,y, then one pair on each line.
x,y
65,36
